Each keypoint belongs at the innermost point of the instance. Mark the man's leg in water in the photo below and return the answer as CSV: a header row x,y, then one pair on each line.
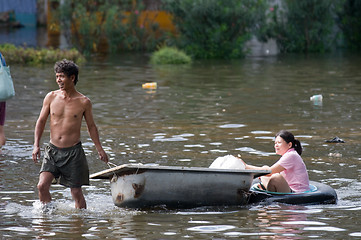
x,y
44,183
78,196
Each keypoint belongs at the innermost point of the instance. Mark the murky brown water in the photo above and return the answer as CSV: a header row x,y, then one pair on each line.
x,y
196,114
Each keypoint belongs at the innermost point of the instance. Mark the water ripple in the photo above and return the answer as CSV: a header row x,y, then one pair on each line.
x,y
254,151
171,139
327,229
232,126
211,228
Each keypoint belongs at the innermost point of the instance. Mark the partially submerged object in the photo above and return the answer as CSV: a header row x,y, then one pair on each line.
x,y
318,193
149,85
335,140
317,99
142,186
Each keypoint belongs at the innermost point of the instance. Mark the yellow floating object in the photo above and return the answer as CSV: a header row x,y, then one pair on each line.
x,y
150,85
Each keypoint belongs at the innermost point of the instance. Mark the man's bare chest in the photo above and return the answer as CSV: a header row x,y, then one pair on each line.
x,y
66,109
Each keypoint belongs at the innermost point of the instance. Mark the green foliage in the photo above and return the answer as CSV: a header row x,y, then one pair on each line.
x,y
170,55
302,26
215,28
108,26
113,30
14,54
349,21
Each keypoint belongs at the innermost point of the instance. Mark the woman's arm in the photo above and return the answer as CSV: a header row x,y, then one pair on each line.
x,y
275,168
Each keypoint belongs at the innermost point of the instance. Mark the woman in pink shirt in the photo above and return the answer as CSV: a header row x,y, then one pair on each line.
x,y
289,173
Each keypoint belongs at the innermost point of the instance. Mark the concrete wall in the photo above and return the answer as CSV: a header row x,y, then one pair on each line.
x,y
25,10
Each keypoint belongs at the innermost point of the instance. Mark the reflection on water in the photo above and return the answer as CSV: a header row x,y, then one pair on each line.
x,y
196,114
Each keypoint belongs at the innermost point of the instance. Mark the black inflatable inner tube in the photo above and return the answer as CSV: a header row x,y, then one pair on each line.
x,y
319,193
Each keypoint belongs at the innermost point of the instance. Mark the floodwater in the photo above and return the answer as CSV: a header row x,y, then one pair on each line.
x,y
197,113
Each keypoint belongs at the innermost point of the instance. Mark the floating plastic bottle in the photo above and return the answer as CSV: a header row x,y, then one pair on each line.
x,y
150,85
316,98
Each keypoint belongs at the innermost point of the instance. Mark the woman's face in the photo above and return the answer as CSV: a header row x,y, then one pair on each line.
x,y
281,146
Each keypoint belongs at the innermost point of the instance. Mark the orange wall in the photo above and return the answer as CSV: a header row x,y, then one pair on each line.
x,y
145,19
163,18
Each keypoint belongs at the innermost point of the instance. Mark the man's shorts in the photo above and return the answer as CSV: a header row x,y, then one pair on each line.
x,y
67,164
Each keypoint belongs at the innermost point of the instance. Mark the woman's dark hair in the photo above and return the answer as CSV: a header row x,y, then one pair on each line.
x,y
288,137
69,68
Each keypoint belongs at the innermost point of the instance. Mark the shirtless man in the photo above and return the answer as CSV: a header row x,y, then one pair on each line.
x,y
64,157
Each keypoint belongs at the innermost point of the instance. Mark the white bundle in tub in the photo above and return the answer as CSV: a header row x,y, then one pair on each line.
x,y
228,162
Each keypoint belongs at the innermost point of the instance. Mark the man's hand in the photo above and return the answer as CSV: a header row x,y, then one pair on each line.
x,y
103,156
36,154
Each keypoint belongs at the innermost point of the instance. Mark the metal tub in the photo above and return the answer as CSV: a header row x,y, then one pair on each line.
x,y
140,186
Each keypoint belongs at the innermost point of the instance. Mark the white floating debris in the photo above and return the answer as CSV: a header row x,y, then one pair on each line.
x,y
317,98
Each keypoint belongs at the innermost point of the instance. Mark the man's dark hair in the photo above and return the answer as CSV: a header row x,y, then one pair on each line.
x,y
67,67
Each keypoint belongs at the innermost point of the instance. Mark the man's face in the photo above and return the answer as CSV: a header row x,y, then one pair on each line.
x,y
64,81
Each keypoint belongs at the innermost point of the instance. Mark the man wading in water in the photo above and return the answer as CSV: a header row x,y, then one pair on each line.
x,y
64,156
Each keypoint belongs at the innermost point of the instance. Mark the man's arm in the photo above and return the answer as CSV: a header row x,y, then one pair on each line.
x,y
39,127
93,131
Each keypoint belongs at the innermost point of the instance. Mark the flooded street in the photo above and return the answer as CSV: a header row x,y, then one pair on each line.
x,y
197,113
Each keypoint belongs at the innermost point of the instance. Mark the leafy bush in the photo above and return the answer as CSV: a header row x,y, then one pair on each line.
x,y
170,55
14,54
108,26
302,26
215,28
349,21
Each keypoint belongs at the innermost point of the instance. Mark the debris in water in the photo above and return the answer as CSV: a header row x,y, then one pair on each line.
x,y
335,140
150,85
